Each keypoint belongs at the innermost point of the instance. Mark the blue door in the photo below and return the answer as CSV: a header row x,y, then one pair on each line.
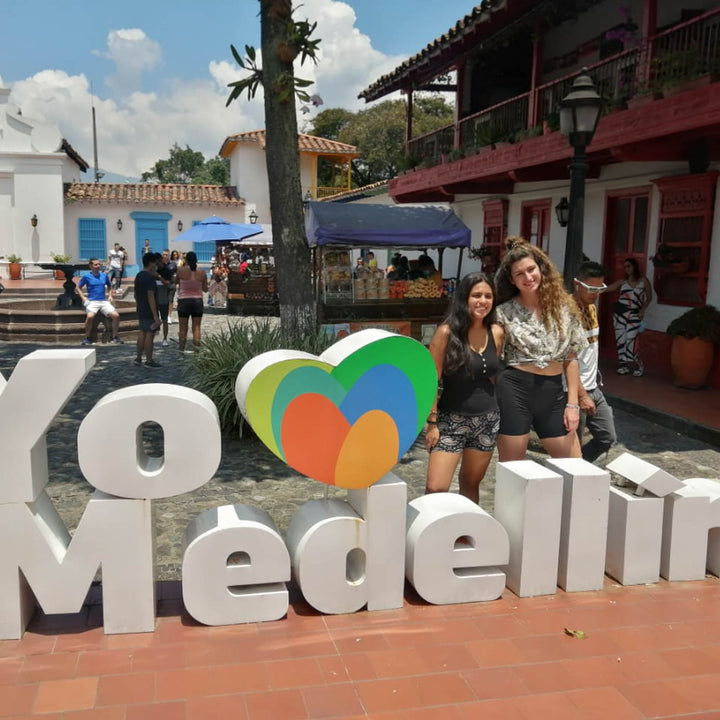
x,y
152,227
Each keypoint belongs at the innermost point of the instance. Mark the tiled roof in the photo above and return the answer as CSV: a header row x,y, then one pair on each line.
x,y
306,143
146,193
467,26
376,188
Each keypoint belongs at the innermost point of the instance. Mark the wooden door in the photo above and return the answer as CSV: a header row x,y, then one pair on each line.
x,y
626,236
535,224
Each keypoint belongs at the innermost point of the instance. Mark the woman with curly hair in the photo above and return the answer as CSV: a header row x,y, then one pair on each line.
x,y
464,421
543,335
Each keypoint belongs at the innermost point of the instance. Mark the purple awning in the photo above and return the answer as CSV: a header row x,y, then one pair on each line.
x,y
366,225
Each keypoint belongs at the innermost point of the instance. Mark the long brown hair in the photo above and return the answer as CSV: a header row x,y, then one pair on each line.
x,y
552,293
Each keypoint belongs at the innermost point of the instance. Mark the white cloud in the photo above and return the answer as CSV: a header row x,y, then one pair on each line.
x,y
133,54
137,128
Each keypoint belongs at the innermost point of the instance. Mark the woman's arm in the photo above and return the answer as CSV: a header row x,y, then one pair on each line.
x,y
498,333
648,298
204,280
613,286
438,348
571,416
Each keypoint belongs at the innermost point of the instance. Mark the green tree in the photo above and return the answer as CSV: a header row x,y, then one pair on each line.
x,y
185,166
215,171
283,38
180,167
378,132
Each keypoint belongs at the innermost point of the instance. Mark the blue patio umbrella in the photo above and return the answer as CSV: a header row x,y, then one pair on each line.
x,y
215,228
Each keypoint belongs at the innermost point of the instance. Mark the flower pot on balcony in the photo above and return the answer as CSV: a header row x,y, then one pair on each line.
x,y
691,360
689,84
15,270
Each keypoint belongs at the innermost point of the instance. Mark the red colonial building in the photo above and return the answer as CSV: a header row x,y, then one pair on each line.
x,y
654,160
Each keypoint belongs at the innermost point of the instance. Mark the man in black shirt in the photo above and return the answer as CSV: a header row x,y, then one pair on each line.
x,y
147,310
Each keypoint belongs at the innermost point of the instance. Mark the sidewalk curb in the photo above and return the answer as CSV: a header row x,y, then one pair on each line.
x,y
680,425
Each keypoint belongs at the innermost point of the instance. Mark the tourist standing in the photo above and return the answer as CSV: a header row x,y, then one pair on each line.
x,y
115,264
192,283
542,338
464,421
596,414
628,314
147,310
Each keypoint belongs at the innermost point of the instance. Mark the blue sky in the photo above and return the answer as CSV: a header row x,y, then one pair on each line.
x,y
159,69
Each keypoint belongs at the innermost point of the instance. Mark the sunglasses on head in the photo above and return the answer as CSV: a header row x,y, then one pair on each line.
x,y
591,288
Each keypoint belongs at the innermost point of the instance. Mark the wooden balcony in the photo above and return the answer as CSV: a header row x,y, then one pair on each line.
x,y
657,67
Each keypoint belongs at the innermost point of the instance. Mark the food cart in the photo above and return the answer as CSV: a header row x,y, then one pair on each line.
x,y
249,268
348,298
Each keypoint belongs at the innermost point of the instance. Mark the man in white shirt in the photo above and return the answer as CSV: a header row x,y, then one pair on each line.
x,y
596,414
116,259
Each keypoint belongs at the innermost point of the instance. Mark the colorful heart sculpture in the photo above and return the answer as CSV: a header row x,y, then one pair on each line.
x,y
344,418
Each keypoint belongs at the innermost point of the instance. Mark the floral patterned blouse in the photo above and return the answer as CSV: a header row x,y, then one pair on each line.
x,y
528,341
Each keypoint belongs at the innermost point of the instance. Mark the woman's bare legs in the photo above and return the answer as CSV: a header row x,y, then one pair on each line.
x,y
441,467
567,446
196,331
182,332
512,447
472,471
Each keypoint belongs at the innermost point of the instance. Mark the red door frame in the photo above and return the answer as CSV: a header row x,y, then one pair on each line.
x,y
613,259
541,209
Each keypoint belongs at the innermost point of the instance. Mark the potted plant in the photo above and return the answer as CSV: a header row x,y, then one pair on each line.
x,y
670,258
60,260
695,334
14,266
679,71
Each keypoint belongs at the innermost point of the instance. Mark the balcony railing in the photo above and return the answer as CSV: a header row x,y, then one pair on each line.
x,y
317,193
685,51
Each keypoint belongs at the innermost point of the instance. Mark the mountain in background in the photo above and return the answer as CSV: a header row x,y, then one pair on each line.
x,y
107,177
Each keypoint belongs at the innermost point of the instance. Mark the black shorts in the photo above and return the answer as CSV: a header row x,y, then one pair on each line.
x,y
163,311
527,400
190,307
146,325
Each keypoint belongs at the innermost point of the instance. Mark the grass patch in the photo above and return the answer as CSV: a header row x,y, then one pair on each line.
x,y
215,367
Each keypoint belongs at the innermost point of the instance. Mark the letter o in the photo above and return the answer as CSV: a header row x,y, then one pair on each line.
x,y
112,459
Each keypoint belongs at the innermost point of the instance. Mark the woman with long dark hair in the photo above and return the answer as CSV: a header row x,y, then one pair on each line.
x,y
464,420
628,313
543,335
192,283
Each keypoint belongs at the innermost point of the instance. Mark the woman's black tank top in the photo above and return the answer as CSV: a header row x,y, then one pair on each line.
x,y
469,391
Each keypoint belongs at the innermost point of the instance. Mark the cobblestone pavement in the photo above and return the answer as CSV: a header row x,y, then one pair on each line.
x,y
250,474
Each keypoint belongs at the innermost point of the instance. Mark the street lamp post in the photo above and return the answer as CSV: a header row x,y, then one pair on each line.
x,y
579,115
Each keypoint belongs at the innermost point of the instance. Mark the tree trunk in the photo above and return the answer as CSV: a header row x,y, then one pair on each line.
x,y
298,311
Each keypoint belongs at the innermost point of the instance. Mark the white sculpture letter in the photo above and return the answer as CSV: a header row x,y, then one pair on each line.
x,y
528,504
191,429
39,388
338,557
115,534
453,550
583,533
234,567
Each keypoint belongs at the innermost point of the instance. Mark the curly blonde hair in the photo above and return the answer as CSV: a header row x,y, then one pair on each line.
x,y
552,293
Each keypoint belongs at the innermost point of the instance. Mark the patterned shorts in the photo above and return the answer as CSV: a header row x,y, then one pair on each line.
x,y
467,432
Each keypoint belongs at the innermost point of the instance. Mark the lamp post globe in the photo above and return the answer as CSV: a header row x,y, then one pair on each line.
x,y
579,116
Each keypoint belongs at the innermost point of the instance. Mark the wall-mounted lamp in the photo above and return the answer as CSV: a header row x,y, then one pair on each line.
x,y
33,220
180,225
253,217
562,212
119,224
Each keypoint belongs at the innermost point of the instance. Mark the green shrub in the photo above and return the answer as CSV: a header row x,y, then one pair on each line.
x,y
215,368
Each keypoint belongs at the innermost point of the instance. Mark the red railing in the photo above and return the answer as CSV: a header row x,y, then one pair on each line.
x,y
688,50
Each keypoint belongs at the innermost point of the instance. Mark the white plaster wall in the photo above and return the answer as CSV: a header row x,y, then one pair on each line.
x,y
112,212
613,177
248,173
